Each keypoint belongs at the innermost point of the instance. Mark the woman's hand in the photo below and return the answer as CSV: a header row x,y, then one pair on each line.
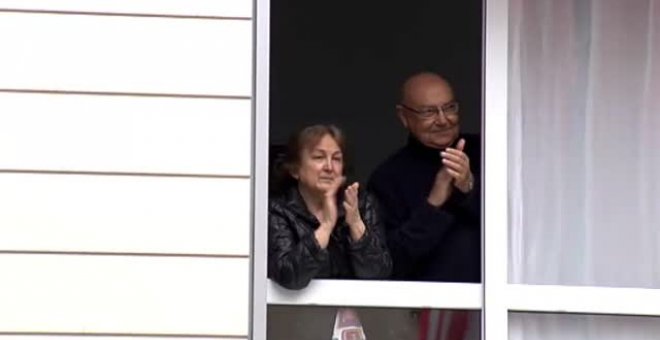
x,y
329,212
328,216
353,218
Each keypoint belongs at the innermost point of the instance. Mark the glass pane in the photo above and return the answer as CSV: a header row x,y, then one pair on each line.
x,y
529,326
584,147
314,323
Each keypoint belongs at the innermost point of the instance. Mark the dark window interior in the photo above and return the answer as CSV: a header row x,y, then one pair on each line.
x,y
342,62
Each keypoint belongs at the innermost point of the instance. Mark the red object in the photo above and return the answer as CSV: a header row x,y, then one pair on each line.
x,y
443,325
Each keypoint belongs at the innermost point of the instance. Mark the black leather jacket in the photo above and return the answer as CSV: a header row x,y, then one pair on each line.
x,y
295,256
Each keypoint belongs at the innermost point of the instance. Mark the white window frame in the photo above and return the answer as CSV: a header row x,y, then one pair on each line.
x,y
395,294
260,139
494,317
496,297
388,294
500,297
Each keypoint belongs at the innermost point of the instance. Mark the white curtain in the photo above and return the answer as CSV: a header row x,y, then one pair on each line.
x,y
584,153
581,327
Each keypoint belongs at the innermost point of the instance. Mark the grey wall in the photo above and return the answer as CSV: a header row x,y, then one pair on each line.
x,y
342,62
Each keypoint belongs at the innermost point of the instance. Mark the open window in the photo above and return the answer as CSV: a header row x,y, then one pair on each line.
x,y
344,63
556,126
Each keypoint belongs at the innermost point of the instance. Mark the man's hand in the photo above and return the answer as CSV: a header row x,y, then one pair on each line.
x,y
458,166
441,188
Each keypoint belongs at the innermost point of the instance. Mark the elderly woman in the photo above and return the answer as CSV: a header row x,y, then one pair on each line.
x,y
317,227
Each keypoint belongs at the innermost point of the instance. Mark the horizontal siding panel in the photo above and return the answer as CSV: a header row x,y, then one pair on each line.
x,y
223,8
124,214
125,54
117,294
124,134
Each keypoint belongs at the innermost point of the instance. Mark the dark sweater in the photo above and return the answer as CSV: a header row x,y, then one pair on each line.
x,y
428,243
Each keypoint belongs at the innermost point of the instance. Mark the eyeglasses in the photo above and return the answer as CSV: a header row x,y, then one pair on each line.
x,y
450,110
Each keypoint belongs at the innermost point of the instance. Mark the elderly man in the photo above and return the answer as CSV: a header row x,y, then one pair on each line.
x,y
429,189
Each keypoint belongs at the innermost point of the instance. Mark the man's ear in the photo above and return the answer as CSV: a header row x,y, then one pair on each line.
x,y
402,116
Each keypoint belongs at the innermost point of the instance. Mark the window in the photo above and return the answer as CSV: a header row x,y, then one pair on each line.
x,y
560,142
327,66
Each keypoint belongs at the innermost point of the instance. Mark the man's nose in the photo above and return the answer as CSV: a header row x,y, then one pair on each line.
x,y
440,118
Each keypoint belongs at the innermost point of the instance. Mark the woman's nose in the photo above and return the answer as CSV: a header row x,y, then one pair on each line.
x,y
327,165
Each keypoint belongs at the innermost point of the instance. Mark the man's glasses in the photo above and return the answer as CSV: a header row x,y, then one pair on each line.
x,y
450,110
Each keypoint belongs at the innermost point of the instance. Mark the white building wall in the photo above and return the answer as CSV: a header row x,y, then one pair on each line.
x,y
125,138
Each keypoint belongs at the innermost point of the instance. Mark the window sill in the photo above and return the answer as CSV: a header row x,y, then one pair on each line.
x,y
394,294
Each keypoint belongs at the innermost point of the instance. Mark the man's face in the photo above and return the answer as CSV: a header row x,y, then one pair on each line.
x,y
437,131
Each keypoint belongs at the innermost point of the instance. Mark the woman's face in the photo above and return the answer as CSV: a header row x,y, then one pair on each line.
x,y
320,165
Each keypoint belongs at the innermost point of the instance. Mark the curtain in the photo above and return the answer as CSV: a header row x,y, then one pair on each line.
x,y
584,122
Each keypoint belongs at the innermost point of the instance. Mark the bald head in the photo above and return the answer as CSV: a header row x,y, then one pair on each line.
x,y
417,84
428,92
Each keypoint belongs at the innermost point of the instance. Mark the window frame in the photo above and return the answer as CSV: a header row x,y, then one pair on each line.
x,y
495,297
502,298
387,294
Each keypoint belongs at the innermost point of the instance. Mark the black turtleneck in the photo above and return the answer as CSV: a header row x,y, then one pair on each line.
x,y
429,243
